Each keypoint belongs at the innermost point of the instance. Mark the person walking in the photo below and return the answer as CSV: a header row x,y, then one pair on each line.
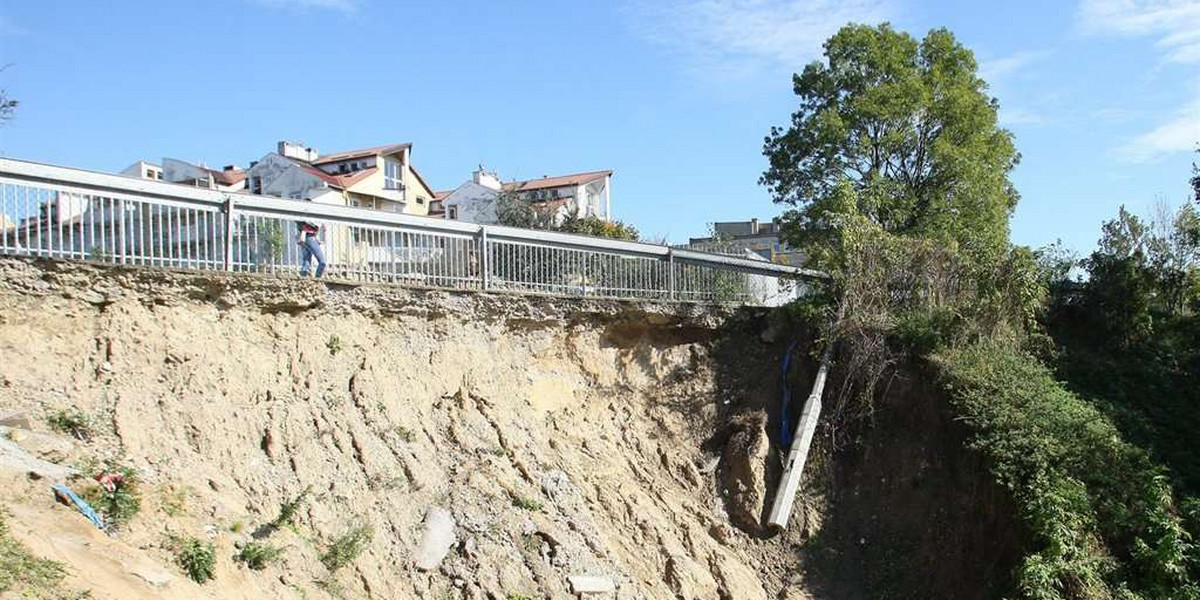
x,y
310,248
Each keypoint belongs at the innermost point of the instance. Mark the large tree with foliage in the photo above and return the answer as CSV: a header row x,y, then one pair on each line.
x,y
897,174
907,129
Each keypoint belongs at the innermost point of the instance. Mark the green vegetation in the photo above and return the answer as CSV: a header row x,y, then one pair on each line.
x,y
237,527
334,344
271,234
289,509
1100,511
73,422
22,573
1128,336
903,134
331,586
897,175
257,555
526,503
120,504
175,501
197,559
404,433
347,548
514,211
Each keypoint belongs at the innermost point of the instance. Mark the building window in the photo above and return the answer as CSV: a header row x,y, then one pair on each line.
x,y
343,168
393,175
420,200
452,212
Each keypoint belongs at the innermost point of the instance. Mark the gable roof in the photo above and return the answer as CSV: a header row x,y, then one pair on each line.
x,y
556,181
422,180
341,180
350,154
232,177
441,195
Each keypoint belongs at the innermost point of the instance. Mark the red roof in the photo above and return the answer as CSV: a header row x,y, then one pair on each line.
x,y
350,154
442,194
231,177
556,181
341,180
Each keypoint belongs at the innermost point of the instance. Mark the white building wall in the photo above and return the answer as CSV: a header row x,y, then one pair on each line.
x,y
473,203
285,179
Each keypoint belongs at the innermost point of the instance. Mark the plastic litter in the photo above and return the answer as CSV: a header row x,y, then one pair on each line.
x,y
785,428
66,496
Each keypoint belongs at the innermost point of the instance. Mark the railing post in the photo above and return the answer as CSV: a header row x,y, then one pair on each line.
x,y
671,273
485,261
228,233
120,216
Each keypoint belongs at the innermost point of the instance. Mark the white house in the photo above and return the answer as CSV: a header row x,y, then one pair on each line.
x,y
144,170
173,170
580,194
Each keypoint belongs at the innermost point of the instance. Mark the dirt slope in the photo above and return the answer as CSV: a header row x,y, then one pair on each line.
x,y
564,437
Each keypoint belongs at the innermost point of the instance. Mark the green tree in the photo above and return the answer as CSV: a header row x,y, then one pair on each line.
x,y
515,211
8,106
597,227
1196,179
909,129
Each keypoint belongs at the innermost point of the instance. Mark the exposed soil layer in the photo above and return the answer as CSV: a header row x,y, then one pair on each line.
x,y
637,442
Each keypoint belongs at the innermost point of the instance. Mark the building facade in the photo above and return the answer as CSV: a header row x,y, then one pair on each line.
x,y
576,195
738,237
379,178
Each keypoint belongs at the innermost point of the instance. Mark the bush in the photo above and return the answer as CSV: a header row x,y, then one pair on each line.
x,y
289,509
347,548
197,559
118,506
527,503
257,555
73,422
1100,512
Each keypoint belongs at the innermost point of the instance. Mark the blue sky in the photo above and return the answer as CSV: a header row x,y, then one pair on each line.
x,y
674,95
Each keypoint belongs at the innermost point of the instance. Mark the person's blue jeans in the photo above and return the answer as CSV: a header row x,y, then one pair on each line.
x,y
310,249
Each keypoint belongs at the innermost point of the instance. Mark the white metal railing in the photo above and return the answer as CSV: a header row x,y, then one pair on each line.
x,y
63,213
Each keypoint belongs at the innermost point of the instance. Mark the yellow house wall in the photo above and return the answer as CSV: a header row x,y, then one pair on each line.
x,y
419,196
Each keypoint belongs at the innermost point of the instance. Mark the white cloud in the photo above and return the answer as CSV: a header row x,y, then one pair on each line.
x,y
995,69
1176,23
1175,26
739,38
1017,116
347,6
1180,134
8,27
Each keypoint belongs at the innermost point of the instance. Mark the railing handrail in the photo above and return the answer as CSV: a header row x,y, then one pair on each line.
x,y
35,172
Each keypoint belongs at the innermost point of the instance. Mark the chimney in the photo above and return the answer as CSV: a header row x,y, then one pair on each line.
x,y
754,226
297,151
487,180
